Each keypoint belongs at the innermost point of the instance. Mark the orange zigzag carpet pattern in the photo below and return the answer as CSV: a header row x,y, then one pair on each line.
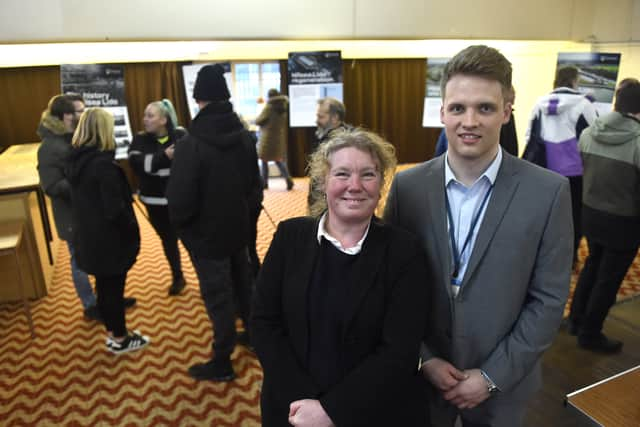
x,y
65,377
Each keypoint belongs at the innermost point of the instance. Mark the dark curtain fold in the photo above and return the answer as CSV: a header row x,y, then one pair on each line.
x,y
148,82
387,96
25,94
299,139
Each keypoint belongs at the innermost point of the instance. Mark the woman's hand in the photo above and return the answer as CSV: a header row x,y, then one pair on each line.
x,y
169,151
308,413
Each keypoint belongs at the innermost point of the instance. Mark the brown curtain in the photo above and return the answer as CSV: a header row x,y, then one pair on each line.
x,y
25,94
148,82
387,96
384,95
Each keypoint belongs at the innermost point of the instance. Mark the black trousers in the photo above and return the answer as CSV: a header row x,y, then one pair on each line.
x,y
282,167
575,184
110,290
226,289
254,214
159,219
598,286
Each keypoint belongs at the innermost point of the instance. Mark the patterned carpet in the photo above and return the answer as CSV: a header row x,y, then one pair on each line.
x,y
65,377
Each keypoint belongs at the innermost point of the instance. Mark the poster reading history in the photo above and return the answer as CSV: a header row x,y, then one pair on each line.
x,y
312,76
101,85
433,97
190,73
597,75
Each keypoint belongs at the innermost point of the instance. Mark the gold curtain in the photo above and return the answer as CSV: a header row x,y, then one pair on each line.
x,y
148,82
25,95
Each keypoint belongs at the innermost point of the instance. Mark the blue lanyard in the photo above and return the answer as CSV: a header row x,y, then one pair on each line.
x,y
474,221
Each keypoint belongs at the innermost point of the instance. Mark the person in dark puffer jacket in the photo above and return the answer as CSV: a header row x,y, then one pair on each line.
x,y
214,172
106,235
150,157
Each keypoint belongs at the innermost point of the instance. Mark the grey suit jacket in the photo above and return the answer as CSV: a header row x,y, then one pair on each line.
x,y
517,281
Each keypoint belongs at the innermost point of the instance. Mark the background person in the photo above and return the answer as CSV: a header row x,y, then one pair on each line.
x,y
563,115
56,128
214,172
274,124
150,157
106,237
339,304
610,151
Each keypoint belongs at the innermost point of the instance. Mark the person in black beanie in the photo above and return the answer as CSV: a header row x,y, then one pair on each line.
x,y
214,171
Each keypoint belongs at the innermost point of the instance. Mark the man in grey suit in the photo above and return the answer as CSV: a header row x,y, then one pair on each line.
x,y
498,234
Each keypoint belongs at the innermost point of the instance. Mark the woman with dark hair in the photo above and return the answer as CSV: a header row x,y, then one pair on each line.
x,y
338,311
106,237
150,157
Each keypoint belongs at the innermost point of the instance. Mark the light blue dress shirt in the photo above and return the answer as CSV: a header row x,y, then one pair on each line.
x,y
464,203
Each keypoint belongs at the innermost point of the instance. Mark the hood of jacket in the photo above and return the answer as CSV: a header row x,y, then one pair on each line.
x,y
615,129
80,158
279,103
51,125
560,101
217,124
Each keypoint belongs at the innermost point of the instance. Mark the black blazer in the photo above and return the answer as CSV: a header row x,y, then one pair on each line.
x,y
380,342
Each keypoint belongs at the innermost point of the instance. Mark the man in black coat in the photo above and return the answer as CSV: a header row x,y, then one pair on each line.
x,y
213,173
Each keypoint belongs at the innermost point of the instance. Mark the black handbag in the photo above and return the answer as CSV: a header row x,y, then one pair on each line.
x,y
535,151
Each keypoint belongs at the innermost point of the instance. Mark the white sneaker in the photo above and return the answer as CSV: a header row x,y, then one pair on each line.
x,y
132,342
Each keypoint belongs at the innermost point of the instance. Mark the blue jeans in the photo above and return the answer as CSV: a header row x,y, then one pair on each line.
x,y
81,282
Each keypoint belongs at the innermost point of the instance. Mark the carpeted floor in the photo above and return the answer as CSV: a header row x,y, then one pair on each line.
x,y
65,377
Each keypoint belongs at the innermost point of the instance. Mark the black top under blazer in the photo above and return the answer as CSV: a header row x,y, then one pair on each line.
x,y
385,321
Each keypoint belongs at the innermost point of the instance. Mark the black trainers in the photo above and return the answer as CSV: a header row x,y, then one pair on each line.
x,y
213,370
129,302
92,313
244,340
132,342
599,343
177,286
573,327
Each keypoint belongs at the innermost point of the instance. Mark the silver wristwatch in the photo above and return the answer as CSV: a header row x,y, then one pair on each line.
x,y
491,386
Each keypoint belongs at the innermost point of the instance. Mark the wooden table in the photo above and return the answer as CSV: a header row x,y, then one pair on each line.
x,y
19,174
614,401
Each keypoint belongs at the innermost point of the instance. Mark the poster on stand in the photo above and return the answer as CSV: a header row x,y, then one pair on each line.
x,y
190,73
101,85
433,97
597,75
312,76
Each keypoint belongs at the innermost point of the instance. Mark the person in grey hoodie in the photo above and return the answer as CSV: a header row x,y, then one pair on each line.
x,y
610,150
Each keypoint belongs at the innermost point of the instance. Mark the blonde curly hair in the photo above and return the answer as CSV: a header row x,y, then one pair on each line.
x,y
381,151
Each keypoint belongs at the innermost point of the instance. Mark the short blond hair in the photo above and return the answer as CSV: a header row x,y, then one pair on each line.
x,y
381,151
95,129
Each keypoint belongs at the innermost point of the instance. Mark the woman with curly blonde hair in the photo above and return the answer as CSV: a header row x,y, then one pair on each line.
x,y
338,309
